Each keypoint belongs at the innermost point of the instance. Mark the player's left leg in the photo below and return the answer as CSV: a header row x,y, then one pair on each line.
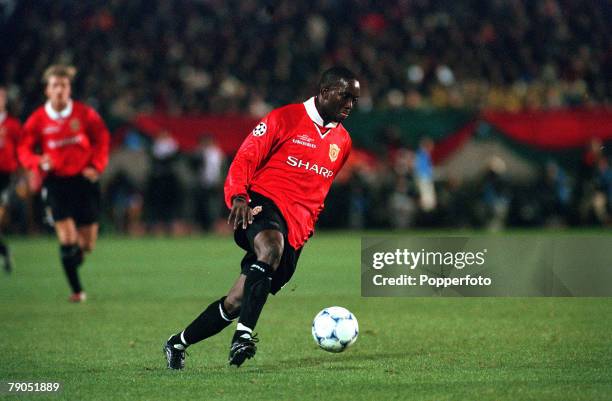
x,y
71,256
217,316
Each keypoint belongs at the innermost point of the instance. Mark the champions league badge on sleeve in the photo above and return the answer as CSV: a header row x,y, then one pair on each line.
x,y
260,129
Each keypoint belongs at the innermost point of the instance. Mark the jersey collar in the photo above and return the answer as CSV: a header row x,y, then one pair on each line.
x,y
314,115
3,116
55,115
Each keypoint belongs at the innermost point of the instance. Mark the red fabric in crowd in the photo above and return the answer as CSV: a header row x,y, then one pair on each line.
x,y
553,130
228,131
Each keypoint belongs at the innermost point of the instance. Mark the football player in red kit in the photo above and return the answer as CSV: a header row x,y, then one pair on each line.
x,y
10,130
74,143
275,190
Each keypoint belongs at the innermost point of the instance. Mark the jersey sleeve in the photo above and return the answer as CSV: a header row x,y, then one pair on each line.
x,y
16,132
29,139
255,149
15,137
347,152
100,138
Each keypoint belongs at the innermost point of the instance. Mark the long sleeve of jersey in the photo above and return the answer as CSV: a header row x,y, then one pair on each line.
x,y
252,154
100,138
25,149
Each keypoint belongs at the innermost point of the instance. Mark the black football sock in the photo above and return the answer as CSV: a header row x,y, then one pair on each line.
x,y
210,322
3,248
4,253
72,257
256,289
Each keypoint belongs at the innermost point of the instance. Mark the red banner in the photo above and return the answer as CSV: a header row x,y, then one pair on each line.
x,y
229,131
546,130
554,130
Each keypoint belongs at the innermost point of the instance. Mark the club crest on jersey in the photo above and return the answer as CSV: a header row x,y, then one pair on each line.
x,y
260,129
75,125
334,151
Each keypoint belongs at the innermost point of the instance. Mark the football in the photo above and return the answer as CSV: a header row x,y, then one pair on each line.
x,y
335,329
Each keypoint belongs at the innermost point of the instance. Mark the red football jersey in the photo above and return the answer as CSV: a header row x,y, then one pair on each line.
x,y
74,138
10,132
291,158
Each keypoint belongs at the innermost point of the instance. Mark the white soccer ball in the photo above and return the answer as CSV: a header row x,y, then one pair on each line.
x,y
335,329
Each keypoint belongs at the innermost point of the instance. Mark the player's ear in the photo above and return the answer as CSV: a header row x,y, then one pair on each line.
x,y
324,93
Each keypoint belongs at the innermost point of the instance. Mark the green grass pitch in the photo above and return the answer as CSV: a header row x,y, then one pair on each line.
x,y
142,290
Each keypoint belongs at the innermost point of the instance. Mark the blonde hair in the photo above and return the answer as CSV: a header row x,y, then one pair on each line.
x,y
59,70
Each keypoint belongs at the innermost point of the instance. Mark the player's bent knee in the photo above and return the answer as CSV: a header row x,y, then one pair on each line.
x,y
269,246
272,254
232,303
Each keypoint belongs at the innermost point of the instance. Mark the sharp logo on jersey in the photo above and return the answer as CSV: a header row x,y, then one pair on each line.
x,y
260,129
299,163
334,151
58,143
75,125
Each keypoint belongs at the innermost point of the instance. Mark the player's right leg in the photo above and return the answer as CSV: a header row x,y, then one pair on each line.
x,y
71,256
217,316
87,237
4,249
268,245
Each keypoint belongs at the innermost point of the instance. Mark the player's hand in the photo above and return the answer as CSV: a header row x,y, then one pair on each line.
x,y
91,174
45,162
241,213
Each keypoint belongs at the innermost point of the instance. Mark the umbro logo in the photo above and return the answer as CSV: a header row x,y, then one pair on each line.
x,y
304,140
50,130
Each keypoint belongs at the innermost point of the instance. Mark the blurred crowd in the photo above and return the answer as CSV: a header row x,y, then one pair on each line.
x,y
402,189
247,56
180,193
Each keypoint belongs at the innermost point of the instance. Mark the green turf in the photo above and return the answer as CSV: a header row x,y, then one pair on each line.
x,y
142,290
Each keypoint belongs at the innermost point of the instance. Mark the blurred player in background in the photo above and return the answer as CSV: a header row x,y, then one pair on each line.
x,y
10,131
74,142
275,189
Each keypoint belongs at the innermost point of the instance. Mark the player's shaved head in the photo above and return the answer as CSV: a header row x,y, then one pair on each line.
x,y
334,76
338,93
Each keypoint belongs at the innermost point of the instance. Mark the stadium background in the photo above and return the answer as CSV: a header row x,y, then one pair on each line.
x,y
475,116
515,96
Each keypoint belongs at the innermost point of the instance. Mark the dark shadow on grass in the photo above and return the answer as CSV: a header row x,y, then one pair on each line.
x,y
343,362
346,361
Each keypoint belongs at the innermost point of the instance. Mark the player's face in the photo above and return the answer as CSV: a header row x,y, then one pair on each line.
x,y
58,91
338,101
